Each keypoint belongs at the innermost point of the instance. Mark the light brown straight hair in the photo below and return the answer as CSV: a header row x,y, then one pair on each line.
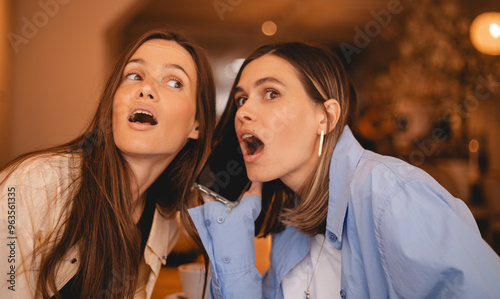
x,y
99,212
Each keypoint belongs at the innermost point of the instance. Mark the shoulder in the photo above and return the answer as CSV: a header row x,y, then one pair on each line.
x,y
396,170
387,176
395,188
43,166
404,200
41,182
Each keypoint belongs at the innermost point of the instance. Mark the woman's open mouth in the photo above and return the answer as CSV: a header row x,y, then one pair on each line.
x,y
252,144
143,117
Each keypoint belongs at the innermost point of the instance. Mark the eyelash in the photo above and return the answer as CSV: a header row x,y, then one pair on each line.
x,y
176,79
237,101
132,73
274,91
170,79
244,99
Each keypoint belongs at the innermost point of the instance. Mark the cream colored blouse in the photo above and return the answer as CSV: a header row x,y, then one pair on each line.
x,y
31,207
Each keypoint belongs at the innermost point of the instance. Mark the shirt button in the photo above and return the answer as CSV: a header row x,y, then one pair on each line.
x,y
164,257
332,236
227,259
208,222
342,294
220,219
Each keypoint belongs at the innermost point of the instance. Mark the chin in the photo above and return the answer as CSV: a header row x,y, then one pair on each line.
x,y
142,149
260,177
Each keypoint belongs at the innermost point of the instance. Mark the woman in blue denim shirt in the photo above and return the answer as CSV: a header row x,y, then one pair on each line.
x,y
345,222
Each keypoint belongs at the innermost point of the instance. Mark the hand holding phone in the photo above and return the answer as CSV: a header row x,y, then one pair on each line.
x,y
209,195
225,172
254,190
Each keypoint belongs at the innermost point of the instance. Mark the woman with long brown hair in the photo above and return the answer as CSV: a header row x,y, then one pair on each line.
x,y
95,217
345,222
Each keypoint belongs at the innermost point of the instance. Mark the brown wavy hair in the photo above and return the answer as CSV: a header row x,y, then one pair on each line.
x,y
100,212
323,77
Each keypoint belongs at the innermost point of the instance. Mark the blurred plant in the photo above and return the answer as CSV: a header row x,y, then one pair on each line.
x,y
436,69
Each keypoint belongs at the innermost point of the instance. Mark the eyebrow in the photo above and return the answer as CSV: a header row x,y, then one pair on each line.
x,y
262,81
267,80
165,66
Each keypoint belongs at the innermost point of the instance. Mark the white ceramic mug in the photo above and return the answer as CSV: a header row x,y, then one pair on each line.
x,y
192,277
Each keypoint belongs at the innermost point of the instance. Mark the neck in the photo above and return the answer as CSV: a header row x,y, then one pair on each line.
x,y
296,179
145,170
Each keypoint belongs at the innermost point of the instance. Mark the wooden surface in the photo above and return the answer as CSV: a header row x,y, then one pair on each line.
x,y
168,283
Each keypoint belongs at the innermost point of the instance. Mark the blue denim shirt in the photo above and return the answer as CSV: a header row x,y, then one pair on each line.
x,y
402,235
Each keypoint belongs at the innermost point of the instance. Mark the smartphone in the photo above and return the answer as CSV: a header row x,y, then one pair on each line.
x,y
224,172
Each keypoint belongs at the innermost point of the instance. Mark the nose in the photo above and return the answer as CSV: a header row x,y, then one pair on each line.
x,y
245,113
147,92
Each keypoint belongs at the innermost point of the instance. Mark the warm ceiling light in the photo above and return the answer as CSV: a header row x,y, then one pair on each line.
x,y
485,33
495,30
269,28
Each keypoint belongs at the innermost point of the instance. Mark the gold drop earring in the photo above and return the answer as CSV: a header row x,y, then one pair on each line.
x,y
321,143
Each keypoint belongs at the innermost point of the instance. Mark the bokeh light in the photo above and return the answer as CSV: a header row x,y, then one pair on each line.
x,y
269,28
484,33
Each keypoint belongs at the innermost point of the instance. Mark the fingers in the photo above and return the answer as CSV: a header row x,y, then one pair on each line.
x,y
206,198
255,189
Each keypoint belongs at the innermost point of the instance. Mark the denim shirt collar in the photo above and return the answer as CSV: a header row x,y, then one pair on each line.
x,y
344,161
290,246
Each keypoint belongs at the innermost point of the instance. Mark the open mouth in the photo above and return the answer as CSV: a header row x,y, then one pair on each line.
x,y
142,117
253,144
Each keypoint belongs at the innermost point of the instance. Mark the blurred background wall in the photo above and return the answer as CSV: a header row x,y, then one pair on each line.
x,y
57,65
427,94
5,81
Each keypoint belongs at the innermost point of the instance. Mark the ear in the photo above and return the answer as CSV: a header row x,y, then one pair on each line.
x,y
195,132
330,116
